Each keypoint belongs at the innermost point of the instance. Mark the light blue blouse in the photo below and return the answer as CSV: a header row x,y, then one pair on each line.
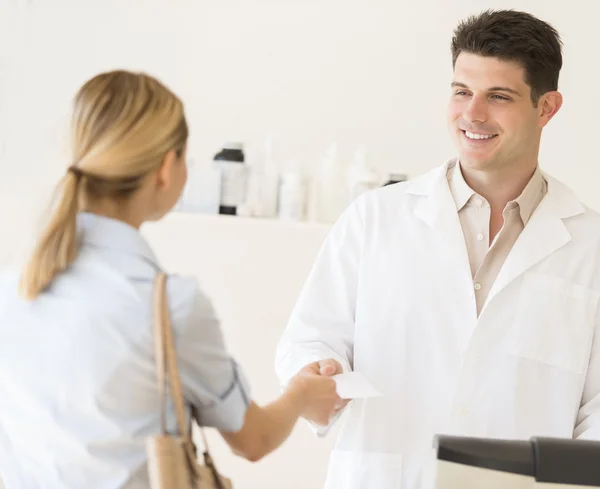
x,y
78,394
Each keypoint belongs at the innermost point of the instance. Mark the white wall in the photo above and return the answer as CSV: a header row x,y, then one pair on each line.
x,y
372,72
252,270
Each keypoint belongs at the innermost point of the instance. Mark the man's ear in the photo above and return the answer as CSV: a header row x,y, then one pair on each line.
x,y
548,105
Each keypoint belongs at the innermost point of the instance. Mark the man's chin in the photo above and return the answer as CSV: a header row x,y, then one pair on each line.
x,y
475,164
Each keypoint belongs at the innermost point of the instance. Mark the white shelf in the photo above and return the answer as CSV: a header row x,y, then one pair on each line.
x,y
243,221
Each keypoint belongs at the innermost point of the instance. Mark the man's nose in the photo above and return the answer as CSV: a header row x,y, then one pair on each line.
x,y
477,110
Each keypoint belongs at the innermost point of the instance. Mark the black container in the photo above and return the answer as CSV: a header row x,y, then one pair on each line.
x,y
233,177
396,178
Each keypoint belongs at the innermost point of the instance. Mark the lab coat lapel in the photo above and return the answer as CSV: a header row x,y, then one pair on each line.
x,y
437,209
544,234
435,205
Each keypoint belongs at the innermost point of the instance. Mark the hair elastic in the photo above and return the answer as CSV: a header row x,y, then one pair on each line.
x,y
75,171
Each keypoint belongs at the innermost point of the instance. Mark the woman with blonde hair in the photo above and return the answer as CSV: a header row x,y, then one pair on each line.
x,y
77,369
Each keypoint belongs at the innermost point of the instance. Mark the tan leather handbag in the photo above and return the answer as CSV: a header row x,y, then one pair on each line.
x,y
172,461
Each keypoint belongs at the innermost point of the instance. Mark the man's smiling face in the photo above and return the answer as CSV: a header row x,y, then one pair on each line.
x,y
491,116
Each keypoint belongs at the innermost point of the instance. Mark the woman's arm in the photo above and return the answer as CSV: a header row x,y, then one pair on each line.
x,y
217,386
266,428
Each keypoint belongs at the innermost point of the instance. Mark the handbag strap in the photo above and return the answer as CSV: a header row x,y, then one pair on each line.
x,y
167,371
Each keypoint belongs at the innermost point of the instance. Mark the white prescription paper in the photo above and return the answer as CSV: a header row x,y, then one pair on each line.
x,y
354,385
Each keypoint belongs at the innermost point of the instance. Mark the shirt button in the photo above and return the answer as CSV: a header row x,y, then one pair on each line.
x,y
480,237
477,286
479,202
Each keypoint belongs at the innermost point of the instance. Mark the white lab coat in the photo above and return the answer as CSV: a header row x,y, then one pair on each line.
x,y
391,296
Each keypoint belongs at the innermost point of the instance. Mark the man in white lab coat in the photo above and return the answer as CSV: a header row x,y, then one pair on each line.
x,y
468,296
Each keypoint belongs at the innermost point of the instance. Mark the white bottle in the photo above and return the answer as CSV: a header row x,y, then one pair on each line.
x,y
252,206
328,190
292,197
263,182
270,180
361,176
202,191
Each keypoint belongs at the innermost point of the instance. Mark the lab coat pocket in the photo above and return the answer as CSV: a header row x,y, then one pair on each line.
x,y
554,322
364,470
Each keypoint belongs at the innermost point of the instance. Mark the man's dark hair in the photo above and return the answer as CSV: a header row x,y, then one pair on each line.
x,y
510,35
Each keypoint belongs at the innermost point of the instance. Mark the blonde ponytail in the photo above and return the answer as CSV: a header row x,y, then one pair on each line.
x,y
123,125
57,247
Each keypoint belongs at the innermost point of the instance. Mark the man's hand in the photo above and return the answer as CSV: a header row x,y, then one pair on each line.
x,y
326,368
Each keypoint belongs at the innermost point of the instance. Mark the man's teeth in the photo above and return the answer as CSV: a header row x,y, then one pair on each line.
x,y
470,135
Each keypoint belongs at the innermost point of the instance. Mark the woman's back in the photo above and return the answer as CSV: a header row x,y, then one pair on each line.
x,y
77,366
77,372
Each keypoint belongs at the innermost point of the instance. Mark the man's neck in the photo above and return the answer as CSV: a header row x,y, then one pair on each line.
x,y
500,187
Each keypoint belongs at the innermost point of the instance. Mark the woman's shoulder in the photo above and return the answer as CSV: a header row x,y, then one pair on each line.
x,y
9,282
187,300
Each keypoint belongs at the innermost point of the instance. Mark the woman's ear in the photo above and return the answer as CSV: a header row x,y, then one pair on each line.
x,y
165,172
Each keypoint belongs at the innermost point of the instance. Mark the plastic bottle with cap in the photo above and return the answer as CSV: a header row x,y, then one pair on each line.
x,y
201,192
292,196
234,175
361,176
328,194
271,178
263,182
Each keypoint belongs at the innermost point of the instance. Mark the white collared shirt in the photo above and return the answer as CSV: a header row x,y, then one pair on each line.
x,y
77,372
486,257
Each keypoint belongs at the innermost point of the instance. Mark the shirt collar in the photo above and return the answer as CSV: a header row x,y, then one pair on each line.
x,y
113,234
527,201
461,192
531,196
